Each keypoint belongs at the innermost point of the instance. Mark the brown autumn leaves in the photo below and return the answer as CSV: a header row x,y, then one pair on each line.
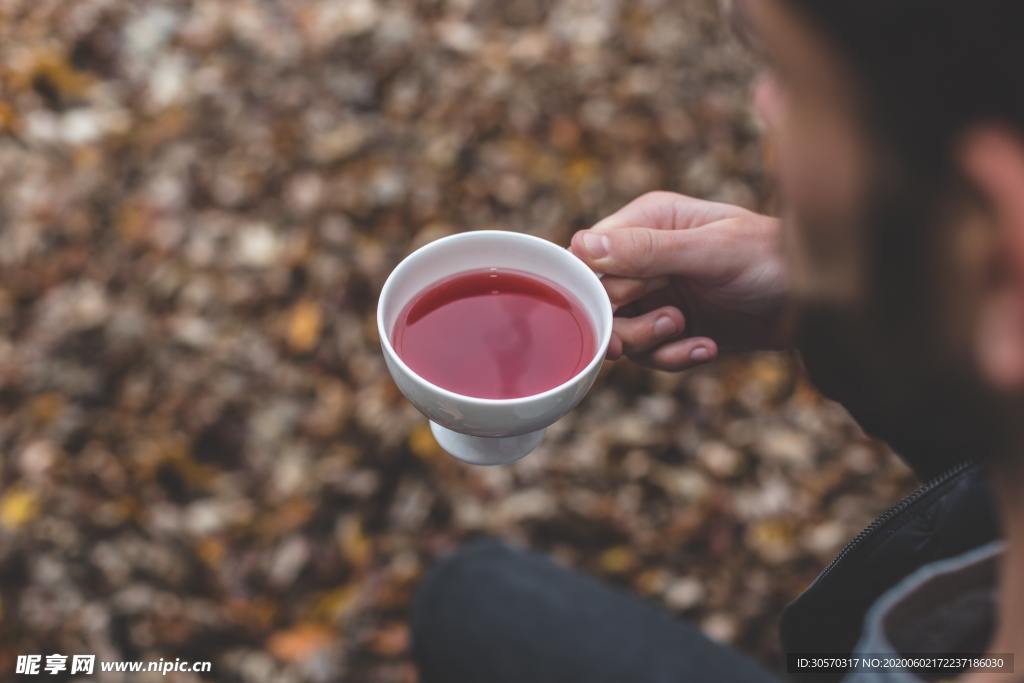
x,y
204,456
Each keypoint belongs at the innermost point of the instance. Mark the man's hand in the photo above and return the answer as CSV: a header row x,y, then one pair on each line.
x,y
687,277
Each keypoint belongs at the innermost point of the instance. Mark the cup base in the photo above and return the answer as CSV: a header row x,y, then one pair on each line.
x,y
486,450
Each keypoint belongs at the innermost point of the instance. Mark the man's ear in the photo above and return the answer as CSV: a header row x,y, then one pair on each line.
x,y
993,160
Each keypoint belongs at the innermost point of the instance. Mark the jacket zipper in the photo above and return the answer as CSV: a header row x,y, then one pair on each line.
x,y
894,511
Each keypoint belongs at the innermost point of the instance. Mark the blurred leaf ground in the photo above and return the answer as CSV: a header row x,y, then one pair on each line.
x,y
204,456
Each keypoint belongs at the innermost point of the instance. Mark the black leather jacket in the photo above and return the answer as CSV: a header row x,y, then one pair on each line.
x,y
951,513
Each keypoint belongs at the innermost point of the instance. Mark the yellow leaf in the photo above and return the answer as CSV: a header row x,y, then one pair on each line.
x,y
18,507
336,603
197,474
580,172
8,117
46,408
355,545
617,560
286,517
423,444
651,581
772,374
54,67
301,642
769,532
256,613
132,221
304,326
211,551
772,539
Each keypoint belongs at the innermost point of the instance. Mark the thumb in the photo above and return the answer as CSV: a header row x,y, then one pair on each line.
x,y
644,253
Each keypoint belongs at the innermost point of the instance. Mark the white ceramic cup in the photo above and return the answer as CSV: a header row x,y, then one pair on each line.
x,y
486,431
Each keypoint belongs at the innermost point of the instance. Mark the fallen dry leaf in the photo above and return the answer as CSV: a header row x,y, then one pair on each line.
x,y
391,641
304,326
18,507
300,642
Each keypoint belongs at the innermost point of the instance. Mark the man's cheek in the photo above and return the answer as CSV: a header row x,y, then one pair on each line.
x,y
820,165
808,176
805,179
824,259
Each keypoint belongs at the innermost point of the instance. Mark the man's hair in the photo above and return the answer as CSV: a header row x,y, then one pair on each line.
x,y
929,69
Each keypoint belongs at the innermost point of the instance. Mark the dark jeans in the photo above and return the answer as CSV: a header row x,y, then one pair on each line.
x,y
490,613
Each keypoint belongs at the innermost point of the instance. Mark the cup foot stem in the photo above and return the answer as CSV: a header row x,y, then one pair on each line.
x,y
485,450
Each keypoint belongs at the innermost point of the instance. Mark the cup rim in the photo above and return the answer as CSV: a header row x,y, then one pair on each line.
x,y
599,353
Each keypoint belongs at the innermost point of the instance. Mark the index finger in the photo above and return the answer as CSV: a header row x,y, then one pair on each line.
x,y
667,211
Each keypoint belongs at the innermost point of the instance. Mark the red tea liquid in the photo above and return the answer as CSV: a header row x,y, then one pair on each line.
x,y
495,333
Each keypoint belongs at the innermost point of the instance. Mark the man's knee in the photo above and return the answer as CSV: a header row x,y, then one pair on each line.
x,y
451,594
453,580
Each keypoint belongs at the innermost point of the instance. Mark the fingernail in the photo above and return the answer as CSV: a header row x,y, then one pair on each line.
x,y
700,354
595,244
664,326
